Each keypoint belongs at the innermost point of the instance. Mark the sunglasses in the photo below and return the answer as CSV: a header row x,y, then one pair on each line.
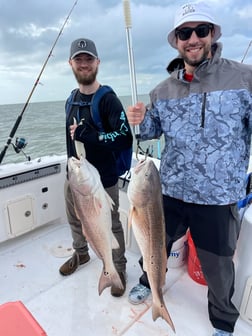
x,y
201,31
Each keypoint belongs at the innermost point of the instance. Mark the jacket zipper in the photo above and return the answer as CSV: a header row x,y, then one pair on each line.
x,y
203,111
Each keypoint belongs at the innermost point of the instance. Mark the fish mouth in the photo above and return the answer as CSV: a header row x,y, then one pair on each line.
x,y
74,162
140,165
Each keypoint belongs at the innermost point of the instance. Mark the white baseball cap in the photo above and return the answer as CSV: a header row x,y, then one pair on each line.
x,y
193,12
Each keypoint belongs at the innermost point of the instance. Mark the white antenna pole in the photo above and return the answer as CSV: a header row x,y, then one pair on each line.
x,y
128,25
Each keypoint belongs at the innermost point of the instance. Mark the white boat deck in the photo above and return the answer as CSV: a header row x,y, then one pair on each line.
x,y
71,306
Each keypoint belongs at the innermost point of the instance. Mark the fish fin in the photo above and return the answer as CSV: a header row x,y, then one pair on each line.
x,y
97,204
108,279
115,244
110,201
161,311
77,215
130,216
164,265
144,267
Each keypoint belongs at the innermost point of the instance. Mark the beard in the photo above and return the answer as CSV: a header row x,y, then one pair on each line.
x,y
85,79
195,62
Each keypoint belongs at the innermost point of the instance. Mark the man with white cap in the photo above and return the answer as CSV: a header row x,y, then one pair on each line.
x,y
204,111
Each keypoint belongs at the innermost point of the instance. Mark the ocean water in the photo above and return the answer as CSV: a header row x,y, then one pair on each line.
x,y
43,127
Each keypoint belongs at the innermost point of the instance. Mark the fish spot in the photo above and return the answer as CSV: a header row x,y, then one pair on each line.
x,y
20,265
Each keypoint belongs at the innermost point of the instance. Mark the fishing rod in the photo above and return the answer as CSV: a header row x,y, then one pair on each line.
x,y
128,25
246,51
13,131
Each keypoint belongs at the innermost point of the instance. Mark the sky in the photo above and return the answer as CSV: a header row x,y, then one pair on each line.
x,y
29,29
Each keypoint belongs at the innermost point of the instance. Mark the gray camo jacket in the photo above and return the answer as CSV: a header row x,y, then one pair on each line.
x,y
207,129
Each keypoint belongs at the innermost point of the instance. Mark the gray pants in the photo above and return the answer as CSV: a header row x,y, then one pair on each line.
x,y
80,243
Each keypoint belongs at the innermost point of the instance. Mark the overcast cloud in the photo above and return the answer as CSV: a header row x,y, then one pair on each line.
x,y
28,29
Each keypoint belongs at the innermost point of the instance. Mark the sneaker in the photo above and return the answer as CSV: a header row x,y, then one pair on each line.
x,y
71,265
117,292
138,294
219,332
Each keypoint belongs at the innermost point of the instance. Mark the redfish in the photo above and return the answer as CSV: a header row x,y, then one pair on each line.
x,y
147,219
93,207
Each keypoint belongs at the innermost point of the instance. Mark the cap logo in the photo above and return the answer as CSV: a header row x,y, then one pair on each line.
x,y
188,8
82,44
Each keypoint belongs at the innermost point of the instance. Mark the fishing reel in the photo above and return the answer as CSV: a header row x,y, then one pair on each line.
x,y
19,145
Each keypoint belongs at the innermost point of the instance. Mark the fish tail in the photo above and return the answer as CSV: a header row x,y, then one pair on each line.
x,y
108,279
161,311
